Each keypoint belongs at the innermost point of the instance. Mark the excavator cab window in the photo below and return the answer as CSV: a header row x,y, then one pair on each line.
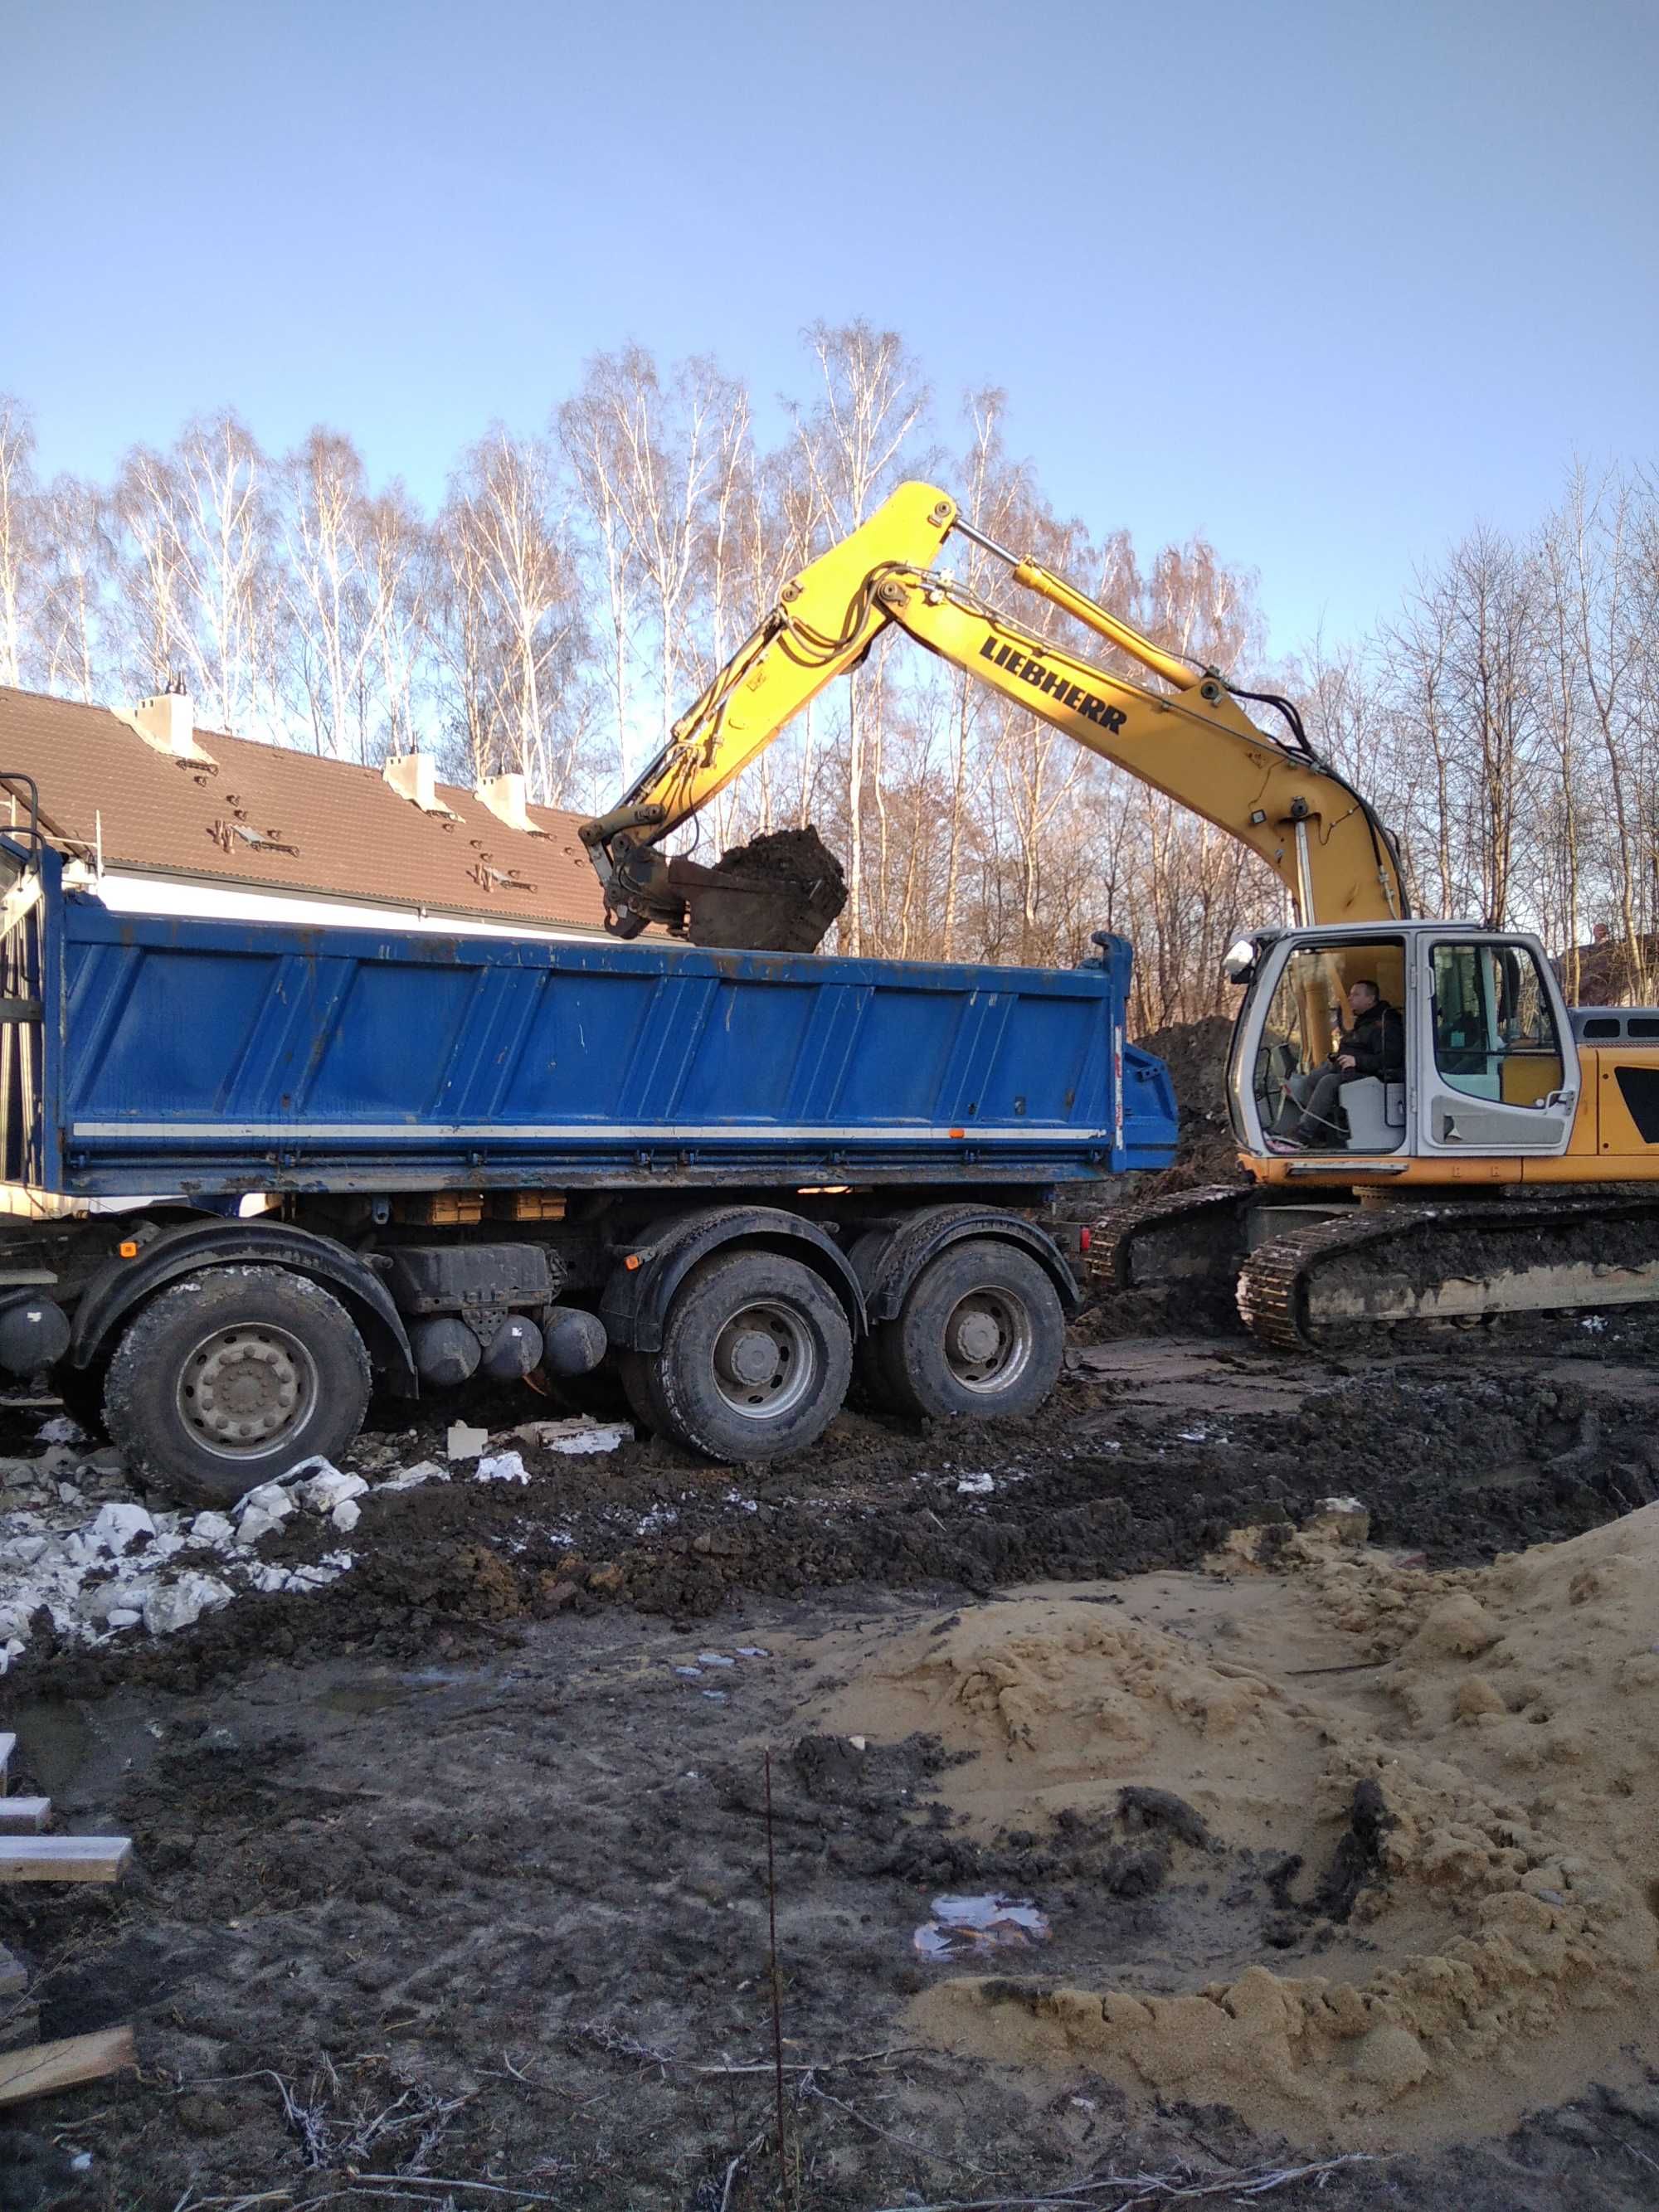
x,y
1309,1021
1494,1029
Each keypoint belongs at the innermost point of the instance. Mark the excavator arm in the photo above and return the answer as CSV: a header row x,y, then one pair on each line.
x,y
1194,742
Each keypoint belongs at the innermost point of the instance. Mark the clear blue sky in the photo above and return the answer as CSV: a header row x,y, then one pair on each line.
x,y
1329,282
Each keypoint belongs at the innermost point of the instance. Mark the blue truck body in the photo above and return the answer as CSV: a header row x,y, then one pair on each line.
x,y
209,1058
729,1187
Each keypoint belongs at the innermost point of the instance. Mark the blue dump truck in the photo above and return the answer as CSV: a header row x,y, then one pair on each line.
x,y
253,1171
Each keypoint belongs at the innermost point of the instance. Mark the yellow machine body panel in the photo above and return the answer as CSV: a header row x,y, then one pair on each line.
x,y
1623,1082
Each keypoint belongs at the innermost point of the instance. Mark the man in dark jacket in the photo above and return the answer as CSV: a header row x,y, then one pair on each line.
x,y
1374,1044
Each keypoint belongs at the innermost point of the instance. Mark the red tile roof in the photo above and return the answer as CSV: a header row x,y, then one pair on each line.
x,y
321,826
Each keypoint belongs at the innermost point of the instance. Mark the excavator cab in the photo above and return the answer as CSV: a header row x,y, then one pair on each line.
x,y
1490,1064
1310,1009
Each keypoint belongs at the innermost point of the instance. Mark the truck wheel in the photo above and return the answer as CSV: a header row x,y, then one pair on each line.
x,y
231,1379
981,1331
755,1358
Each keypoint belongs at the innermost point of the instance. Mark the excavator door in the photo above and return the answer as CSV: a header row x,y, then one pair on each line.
x,y
1302,1004
1500,1068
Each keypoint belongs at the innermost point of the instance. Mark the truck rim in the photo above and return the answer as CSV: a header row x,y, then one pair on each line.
x,y
243,1388
988,1340
765,1362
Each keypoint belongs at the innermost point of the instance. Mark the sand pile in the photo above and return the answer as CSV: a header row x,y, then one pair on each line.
x,y
1053,1704
1479,1783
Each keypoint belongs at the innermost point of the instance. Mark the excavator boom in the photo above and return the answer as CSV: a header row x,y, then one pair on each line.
x,y
1193,742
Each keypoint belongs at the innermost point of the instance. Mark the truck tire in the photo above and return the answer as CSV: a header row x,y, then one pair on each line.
x,y
231,1379
981,1331
755,1357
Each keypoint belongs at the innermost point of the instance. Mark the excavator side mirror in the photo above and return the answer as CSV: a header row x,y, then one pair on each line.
x,y
1239,963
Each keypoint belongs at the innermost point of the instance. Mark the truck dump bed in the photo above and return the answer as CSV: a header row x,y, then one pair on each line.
x,y
210,1057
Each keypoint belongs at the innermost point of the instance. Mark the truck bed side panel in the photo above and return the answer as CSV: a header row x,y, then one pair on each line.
x,y
214,1056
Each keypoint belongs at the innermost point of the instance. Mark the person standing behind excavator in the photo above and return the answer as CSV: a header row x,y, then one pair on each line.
x,y
1374,1044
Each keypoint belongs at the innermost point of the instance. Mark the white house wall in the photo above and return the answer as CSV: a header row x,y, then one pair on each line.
x,y
124,892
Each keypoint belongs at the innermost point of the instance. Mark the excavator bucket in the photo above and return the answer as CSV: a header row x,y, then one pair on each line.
x,y
783,892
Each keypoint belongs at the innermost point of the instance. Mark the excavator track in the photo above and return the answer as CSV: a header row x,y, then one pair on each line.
x,y
1330,1281
1196,1234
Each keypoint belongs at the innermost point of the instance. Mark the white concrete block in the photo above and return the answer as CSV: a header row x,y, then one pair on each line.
x,y
322,1493
266,1498
117,1524
412,1478
182,1604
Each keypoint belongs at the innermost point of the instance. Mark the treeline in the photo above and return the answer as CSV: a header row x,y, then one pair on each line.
x,y
579,585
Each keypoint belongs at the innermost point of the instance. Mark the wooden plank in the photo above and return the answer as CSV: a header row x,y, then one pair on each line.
x,y
64,1858
51,2066
31,1813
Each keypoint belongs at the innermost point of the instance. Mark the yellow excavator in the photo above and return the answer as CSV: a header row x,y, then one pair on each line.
x,y
1506,1156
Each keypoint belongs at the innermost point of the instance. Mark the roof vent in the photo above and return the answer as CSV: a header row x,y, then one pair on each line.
x,y
504,795
414,776
491,878
230,833
166,722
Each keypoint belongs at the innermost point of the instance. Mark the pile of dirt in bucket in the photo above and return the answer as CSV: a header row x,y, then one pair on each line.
x,y
1457,1774
781,892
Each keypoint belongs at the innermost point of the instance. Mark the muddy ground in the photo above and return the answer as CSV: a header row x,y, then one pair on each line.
x,y
449,1888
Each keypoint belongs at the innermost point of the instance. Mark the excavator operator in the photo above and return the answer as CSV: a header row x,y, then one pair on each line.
x,y
1373,1044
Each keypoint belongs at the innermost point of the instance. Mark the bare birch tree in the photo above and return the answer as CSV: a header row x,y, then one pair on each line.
x,y
355,605
76,560
19,532
517,634
198,579
871,398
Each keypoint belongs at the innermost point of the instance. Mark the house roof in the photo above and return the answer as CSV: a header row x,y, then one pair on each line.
x,y
264,816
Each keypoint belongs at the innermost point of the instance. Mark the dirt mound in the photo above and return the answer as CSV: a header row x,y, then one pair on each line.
x,y
1196,1054
781,892
1478,1778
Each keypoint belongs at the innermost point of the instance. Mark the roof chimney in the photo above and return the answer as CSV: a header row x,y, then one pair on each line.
x,y
414,776
504,795
166,721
